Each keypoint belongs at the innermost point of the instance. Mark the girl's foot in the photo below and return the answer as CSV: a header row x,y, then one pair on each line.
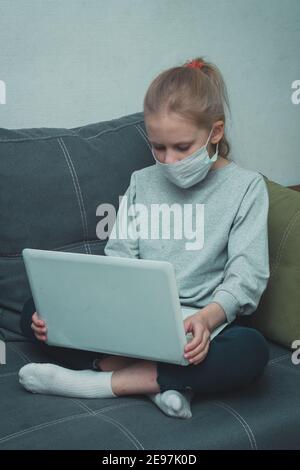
x,y
51,379
174,403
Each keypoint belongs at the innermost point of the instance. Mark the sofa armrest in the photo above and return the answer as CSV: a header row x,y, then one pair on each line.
x,y
277,315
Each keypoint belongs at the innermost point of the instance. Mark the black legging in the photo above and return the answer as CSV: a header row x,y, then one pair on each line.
x,y
236,357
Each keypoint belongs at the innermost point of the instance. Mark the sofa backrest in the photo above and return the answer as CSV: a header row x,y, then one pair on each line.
x,y
52,181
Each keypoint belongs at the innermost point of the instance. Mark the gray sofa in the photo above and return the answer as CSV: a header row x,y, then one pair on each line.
x,y
52,181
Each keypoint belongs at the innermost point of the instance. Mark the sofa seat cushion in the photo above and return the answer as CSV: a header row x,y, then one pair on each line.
x,y
266,415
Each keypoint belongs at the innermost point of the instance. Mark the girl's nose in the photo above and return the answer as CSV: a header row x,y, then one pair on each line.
x,y
170,157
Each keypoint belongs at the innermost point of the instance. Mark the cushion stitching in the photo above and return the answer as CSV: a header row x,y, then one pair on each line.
x,y
76,190
141,132
8,374
283,242
122,405
290,369
80,194
83,406
30,139
126,432
20,353
73,134
42,426
113,408
241,420
112,421
69,245
122,427
278,359
114,130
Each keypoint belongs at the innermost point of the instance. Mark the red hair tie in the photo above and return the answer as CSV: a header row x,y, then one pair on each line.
x,y
195,64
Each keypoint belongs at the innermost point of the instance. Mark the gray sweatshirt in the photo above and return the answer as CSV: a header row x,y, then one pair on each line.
x,y
219,244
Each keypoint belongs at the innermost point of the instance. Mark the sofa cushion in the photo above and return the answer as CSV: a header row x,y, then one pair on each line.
x,y
278,313
264,415
52,181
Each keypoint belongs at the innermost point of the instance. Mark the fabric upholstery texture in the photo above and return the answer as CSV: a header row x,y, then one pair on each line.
x,y
278,314
52,181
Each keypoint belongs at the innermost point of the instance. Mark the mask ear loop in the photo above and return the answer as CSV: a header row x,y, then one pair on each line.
x,y
208,138
217,148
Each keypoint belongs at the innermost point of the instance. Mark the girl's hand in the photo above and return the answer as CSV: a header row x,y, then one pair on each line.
x,y
196,350
39,327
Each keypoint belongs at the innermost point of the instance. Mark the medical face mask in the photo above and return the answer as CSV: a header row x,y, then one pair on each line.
x,y
190,170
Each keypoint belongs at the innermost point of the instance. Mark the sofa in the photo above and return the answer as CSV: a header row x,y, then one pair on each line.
x,y
52,180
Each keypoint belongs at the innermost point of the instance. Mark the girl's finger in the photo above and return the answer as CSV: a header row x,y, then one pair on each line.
x,y
37,320
199,349
199,353
205,339
38,329
198,333
199,346
192,355
41,337
201,356
34,327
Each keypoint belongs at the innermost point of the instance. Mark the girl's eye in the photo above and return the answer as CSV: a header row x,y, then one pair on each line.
x,y
179,148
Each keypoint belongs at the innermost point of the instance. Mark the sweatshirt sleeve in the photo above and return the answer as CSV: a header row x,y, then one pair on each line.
x,y
122,239
246,272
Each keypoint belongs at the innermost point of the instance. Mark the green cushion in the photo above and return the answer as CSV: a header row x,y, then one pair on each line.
x,y
278,313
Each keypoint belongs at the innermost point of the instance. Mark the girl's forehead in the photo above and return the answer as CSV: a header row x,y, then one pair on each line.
x,y
171,124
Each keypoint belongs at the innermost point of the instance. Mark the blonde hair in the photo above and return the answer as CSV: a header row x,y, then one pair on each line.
x,y
196,93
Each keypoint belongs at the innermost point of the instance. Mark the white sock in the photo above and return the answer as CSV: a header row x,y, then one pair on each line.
x,y
51,379
174,403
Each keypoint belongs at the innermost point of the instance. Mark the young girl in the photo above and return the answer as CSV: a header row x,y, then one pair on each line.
x,y
220,281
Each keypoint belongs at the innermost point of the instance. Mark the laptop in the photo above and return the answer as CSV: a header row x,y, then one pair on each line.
x,y
109,304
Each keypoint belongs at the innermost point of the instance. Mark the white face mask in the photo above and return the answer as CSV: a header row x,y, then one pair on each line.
x,y
190,170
